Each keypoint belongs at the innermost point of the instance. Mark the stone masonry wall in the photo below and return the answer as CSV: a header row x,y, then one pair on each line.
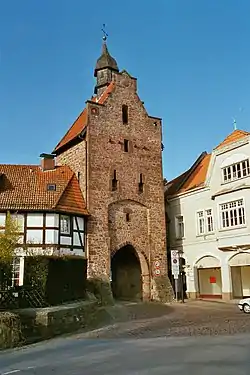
x,y
107,227
75,158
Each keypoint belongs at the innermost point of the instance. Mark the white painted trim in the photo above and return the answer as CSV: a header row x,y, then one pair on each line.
x,y
21,271
206,255
239,253
231,146
233,159
210,170
220,227
176,227
236,252
206,232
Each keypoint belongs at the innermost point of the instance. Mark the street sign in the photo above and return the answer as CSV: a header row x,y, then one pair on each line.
x,y
175,263
157,272
157,264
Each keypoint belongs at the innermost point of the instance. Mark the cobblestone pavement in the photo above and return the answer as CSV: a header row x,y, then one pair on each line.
x,y
189,319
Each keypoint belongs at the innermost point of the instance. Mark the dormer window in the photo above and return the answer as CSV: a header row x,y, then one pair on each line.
x,y
236,171
51,187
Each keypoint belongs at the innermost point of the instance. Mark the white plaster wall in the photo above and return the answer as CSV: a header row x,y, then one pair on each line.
x,y
194,246
34,236
76,252
65,240
34,220
50,220
223,159
51,236
2,219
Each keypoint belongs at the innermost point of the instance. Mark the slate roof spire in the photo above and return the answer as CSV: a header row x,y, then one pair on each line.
x,y
105,61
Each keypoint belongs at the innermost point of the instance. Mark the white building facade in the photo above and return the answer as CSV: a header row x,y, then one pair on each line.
x,y
209,220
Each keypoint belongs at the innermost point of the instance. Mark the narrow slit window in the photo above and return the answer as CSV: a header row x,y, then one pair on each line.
x,y
126,145
127,217
114,181
141,184
125,114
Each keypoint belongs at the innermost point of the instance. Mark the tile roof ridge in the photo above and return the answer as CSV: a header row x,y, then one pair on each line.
x,y
19,165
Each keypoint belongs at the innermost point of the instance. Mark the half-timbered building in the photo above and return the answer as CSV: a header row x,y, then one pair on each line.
x,y
48,205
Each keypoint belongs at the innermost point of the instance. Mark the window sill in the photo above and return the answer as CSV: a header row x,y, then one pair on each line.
x,y
235,180
232,228
205,234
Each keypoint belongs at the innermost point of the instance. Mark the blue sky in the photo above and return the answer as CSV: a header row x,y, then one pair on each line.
x,y
191,58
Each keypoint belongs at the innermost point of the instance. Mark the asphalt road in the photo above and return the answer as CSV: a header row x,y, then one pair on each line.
x,y
157,356
195,338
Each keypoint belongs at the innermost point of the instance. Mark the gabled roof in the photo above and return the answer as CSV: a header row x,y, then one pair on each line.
x,y
198,176
81,122
25,187
233,137
193,178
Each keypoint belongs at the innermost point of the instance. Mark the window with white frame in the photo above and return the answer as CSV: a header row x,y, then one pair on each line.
x,y
236,171
205,222
179,227
15,271
232,214
65,224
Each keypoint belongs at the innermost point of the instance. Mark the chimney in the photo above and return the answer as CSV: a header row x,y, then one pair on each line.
x,y
47,162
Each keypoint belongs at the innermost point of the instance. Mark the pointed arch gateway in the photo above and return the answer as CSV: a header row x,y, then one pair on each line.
x,y
130,277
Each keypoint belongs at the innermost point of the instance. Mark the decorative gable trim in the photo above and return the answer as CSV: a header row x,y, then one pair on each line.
x,y
231,146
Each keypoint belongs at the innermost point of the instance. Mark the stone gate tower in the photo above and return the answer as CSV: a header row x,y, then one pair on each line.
x,y
114,147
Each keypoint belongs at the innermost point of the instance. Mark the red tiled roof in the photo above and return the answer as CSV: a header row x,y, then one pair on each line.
x,y
193,178
233,137
81,122
198,176
24,187
198,173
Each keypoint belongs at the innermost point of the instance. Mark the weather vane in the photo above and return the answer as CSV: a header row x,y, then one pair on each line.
x,y
105,34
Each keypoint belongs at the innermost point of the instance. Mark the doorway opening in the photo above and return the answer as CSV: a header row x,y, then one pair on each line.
x,y
126,274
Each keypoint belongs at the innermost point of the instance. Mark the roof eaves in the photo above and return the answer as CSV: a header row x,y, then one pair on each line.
x,y
65,135
188,173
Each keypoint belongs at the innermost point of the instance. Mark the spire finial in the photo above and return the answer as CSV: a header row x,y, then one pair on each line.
x,y
235,124
105,34
234,119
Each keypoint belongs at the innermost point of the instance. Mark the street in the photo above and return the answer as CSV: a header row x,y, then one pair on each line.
x,y
197,337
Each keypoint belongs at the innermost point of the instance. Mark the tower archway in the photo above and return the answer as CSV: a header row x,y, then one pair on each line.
x,y
130,274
